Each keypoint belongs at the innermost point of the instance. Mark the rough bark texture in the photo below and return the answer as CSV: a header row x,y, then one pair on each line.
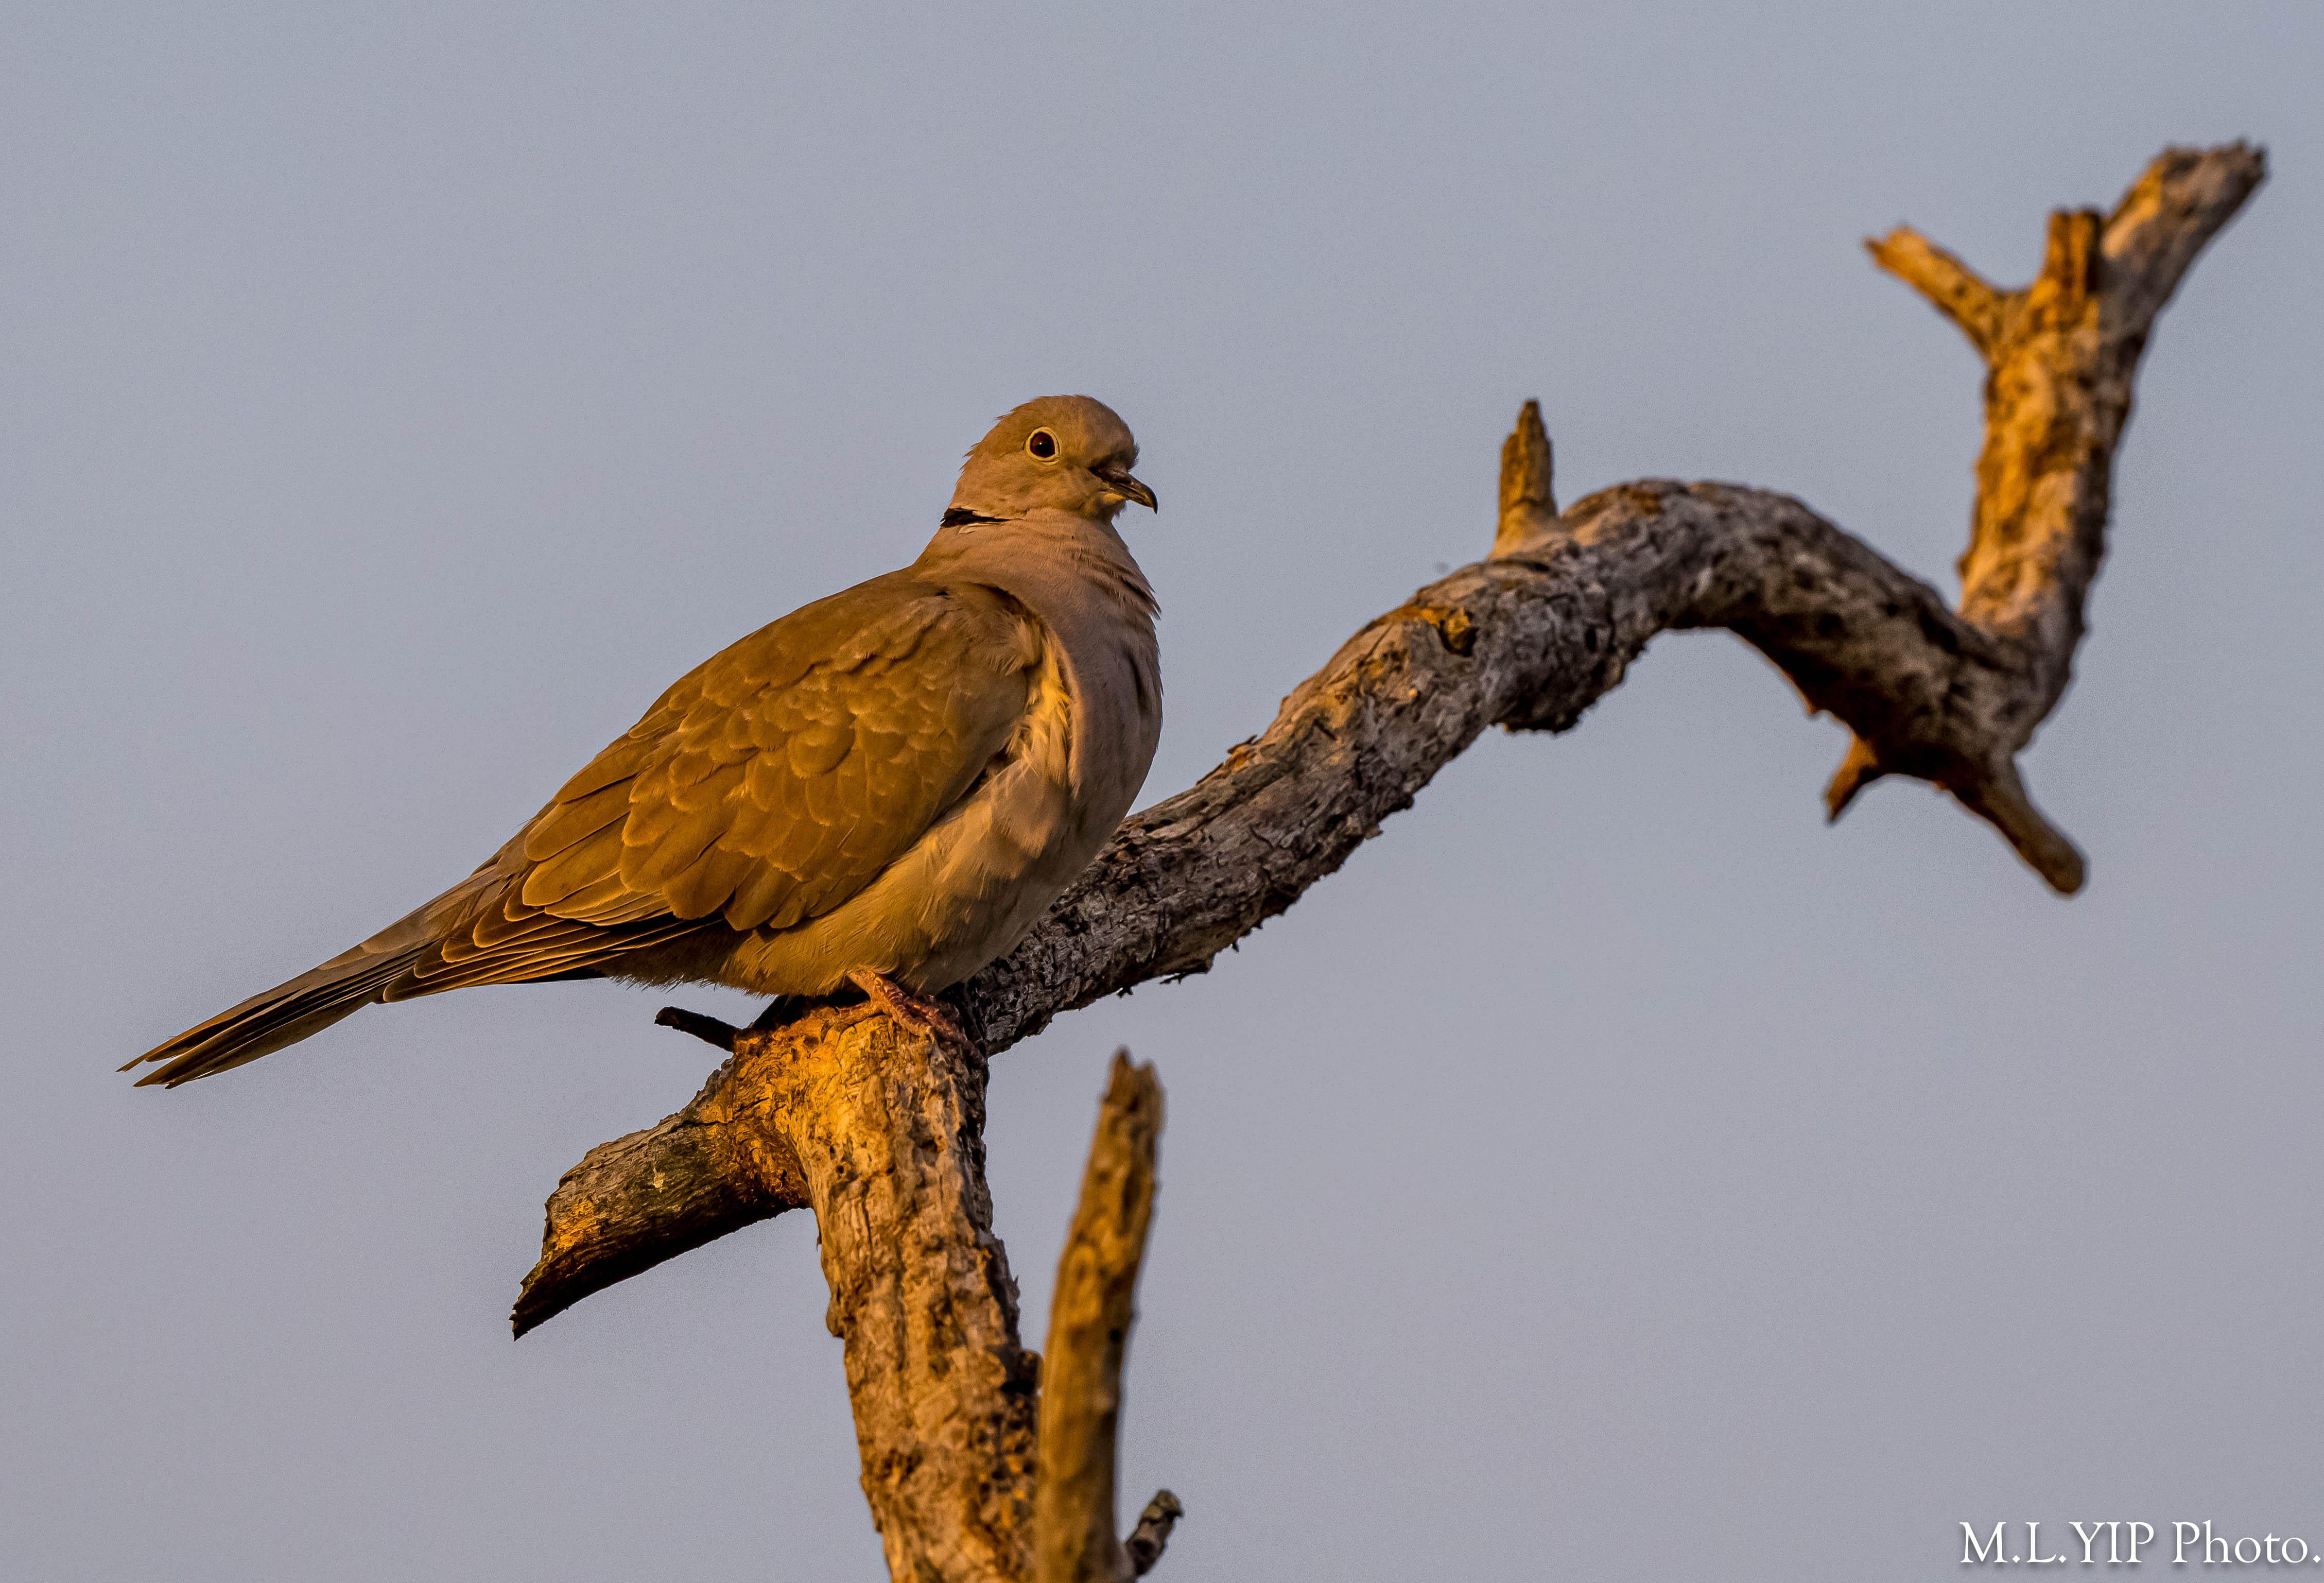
x,y
882,1129
635,1201
1088,1337
1530,637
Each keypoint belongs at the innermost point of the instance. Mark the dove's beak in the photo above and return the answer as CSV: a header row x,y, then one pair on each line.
x,y
1118,481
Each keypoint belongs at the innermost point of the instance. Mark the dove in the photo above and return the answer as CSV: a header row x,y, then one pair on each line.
x,y
885,787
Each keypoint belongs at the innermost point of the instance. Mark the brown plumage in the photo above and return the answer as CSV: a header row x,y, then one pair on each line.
x,y
898,779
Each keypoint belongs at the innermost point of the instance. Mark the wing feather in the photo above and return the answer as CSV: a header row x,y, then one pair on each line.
x,y
573,869
656,849
566,823
619,761
759,896
771,783
704,887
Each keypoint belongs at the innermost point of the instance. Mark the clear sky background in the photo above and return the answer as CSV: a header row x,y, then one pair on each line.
x,y
1611,1173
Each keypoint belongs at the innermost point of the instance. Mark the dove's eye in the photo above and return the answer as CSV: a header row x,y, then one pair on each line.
x,y
1043,445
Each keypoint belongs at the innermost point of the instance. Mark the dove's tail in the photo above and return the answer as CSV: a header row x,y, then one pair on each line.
x,y
311,1002
261,1025
477,932
288,1012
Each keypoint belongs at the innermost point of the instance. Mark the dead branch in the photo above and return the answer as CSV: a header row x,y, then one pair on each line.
x,y
882,1131
1533,636
1089,1336
1144,1545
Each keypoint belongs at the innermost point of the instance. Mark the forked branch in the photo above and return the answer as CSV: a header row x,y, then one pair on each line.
x,y
881,1129
1531,636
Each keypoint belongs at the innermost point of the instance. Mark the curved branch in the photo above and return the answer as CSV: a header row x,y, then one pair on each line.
x,y
1533,636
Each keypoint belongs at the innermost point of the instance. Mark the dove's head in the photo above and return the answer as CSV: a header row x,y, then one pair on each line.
x,y
1059,453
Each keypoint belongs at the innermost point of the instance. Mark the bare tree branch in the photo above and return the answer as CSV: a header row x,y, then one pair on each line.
x,y
1530,637
1960,292
1146,1541
1088,1337
881,1131
1529,506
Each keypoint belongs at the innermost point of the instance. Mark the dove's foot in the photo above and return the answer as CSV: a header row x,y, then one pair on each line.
x,y
709,1029
915,1011
782,1009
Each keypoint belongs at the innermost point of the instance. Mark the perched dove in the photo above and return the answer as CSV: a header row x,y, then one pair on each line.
x,y
888,786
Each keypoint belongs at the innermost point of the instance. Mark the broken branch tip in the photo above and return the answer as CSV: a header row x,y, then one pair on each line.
x,y
1144,1542
1528,500
1858,770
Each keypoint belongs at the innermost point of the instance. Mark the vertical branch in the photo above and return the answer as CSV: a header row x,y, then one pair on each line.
x,y
2054,408
880,1128
2062,354
887,1129
1528,505
1088,1337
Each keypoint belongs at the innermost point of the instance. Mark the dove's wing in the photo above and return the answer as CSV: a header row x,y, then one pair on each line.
x,y
765,788
768,786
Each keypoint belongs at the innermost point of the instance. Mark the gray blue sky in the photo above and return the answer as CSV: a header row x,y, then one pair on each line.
x,y
1612,1173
